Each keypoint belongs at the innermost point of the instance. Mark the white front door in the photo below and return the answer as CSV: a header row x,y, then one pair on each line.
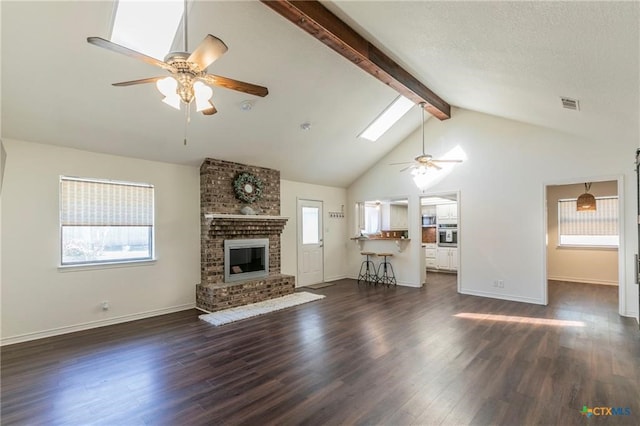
x,y
310,244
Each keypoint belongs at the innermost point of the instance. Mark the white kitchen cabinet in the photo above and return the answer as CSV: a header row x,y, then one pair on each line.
x,y
399,217
430,252
447,258
447,213
395,217
430,256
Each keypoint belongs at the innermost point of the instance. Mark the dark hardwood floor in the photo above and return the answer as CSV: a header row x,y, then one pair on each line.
x,y
362,355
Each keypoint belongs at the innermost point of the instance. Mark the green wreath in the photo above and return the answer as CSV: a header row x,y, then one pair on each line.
x,y
248,188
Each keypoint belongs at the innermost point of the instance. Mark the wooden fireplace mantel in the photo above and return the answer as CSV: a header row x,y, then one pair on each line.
x,y
240,225
243,216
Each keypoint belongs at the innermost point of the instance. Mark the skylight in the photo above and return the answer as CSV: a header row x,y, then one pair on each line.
x,y
148,27
387,118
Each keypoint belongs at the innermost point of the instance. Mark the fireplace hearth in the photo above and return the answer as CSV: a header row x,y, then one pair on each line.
x,y
217,292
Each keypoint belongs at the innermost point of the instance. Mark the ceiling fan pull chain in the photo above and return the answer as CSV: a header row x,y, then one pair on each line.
x,y
187,120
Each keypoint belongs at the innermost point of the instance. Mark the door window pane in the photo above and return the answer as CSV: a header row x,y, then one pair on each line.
x,y
310,228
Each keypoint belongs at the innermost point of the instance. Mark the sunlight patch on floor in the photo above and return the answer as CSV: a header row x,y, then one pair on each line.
x,y
524,320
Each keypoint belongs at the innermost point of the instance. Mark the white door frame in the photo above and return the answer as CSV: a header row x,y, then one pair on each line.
x,y
622,277
426,194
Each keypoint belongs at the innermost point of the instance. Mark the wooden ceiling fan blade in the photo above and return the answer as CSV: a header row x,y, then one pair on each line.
x,y
240,86
141,81
432,164
400,164
208,51
210,111
106,44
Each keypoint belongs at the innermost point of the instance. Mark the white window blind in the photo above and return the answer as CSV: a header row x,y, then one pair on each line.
x,y
595,228
105,221
105,203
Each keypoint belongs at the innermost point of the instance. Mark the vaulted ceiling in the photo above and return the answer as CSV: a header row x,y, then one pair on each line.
x,y
511,59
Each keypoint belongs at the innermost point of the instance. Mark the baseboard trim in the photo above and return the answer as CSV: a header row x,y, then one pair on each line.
x,y
401,283
583,281
509,297
336,278
408,284
92,324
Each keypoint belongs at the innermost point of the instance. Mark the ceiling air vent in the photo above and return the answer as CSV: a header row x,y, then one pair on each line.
x,y
569,103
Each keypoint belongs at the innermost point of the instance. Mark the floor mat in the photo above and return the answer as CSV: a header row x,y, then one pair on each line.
x,y
319,285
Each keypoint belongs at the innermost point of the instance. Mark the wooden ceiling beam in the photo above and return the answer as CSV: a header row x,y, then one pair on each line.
x,y
321,23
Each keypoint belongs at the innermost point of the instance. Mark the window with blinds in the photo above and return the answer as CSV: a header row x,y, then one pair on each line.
x,y
105,221
597,228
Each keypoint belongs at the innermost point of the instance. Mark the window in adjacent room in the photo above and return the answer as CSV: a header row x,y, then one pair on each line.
x,y
597,228
372,218
103,221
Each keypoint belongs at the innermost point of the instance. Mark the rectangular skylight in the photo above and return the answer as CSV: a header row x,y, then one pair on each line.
x,y
148,27
387,118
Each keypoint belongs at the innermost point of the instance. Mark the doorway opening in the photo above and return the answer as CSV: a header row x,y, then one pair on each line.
x,y
583,255
441,235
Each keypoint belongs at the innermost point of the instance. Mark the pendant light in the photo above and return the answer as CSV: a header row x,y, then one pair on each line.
x,y
586,202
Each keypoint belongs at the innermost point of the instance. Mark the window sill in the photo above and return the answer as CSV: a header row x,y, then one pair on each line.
x,y
579,247
105,265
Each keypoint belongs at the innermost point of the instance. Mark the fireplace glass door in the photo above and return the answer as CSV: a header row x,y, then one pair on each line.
x,y
246,259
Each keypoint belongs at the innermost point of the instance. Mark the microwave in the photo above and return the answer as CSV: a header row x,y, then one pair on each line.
x,y
448,236
428,220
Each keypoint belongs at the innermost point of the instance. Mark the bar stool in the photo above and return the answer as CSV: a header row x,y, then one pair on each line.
x,y
368,269
387,276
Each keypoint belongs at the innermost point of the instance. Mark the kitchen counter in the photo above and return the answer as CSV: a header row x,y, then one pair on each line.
x,y
401,243
380,238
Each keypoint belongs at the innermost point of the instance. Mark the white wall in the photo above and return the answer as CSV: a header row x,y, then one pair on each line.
x,y
584,265
37,298
502,212
335,241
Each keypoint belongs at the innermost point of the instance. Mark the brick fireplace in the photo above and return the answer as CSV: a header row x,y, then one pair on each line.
x,y
221,220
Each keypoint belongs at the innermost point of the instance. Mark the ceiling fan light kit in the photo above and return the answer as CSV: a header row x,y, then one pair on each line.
x,y
421,178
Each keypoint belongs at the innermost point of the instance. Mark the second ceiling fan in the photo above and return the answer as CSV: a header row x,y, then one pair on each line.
x,y
424,161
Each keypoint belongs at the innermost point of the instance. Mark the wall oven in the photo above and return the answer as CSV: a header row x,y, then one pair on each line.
x,y
448,235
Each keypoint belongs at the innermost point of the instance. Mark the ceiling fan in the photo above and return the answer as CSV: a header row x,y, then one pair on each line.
x,y
422,162
188,79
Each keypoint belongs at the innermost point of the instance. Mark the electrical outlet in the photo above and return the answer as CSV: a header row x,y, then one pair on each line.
x,y
495,283
105,305
500,283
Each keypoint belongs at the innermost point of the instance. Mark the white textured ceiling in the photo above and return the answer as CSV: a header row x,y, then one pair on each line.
x,y
511,59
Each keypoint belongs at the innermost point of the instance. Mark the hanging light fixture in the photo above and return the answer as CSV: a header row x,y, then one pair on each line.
x,y
421,175
586,202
